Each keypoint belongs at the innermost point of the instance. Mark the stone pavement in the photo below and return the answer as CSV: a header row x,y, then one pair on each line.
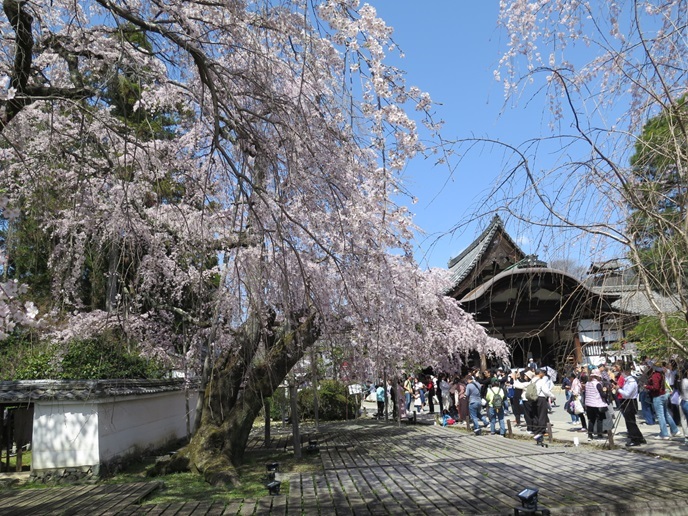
x,y
376,467
565,432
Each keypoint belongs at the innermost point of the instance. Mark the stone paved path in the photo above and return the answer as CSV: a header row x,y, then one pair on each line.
x,y
375,468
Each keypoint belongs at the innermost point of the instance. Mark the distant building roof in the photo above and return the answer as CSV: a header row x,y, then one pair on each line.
x,y
619,277
607,266
639,303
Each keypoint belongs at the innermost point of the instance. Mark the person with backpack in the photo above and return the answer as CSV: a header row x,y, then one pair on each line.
x,y
484,378
530,402
495,397
656,387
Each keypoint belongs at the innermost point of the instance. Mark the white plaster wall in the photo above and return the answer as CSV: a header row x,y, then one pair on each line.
x,y
137,422
65,434
74,434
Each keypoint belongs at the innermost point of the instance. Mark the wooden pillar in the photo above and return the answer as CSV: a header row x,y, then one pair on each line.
x,y
384,384
316,402
295,421
577,349
282,408
266,408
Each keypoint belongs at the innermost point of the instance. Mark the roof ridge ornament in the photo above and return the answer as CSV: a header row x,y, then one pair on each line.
x,y
529,262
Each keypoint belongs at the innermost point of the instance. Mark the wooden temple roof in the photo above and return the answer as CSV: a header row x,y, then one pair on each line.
x,y
513,293
491,253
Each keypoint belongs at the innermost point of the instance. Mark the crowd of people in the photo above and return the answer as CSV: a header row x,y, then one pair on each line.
x,y
652,392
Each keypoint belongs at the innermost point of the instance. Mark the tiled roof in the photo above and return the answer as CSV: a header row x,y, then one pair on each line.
x,y
637,302
632,296
461,265
24,391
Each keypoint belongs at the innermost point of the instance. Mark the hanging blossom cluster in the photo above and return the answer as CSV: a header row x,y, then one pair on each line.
x,y
438,332
602,51
606,68
202,164
13,311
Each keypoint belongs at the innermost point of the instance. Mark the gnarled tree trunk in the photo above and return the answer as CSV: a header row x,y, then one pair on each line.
x,y
240,380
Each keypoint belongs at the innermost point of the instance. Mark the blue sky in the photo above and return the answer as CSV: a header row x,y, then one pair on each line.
x,y
451,51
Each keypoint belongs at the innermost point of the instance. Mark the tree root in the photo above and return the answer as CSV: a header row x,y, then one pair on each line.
x,y
214,465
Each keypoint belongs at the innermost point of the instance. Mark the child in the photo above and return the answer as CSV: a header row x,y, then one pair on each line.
x,y
417,402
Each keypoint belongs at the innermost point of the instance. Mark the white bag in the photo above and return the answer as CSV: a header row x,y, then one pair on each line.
x,y
578,408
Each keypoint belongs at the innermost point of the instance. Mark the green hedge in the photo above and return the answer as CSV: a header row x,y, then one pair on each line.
x,y
332,402
98,358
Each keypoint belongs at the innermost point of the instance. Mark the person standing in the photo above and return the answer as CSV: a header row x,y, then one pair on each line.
x,y
380,395
430,386
483,379
392,386
660,399
544,392
566,385
508,384
529,406
646,409
577,390
474,403
420,390
683,389
444,392
438,392
628,393
670,375
495,398
408,392
595,404
520,383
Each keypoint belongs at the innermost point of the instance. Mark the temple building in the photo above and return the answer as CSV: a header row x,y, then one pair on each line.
x,y
544,313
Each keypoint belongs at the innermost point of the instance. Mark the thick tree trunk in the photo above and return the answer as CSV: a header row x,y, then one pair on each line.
x,y
266,411
111,293
238,384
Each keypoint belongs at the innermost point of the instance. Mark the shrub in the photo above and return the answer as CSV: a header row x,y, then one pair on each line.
x,y
333,402
103,357
279,404
96,359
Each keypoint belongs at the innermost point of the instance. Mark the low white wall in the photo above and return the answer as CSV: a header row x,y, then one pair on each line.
x,y
127,425
70,434
65,435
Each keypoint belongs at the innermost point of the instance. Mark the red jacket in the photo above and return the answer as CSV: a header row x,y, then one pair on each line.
x,y
655,384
